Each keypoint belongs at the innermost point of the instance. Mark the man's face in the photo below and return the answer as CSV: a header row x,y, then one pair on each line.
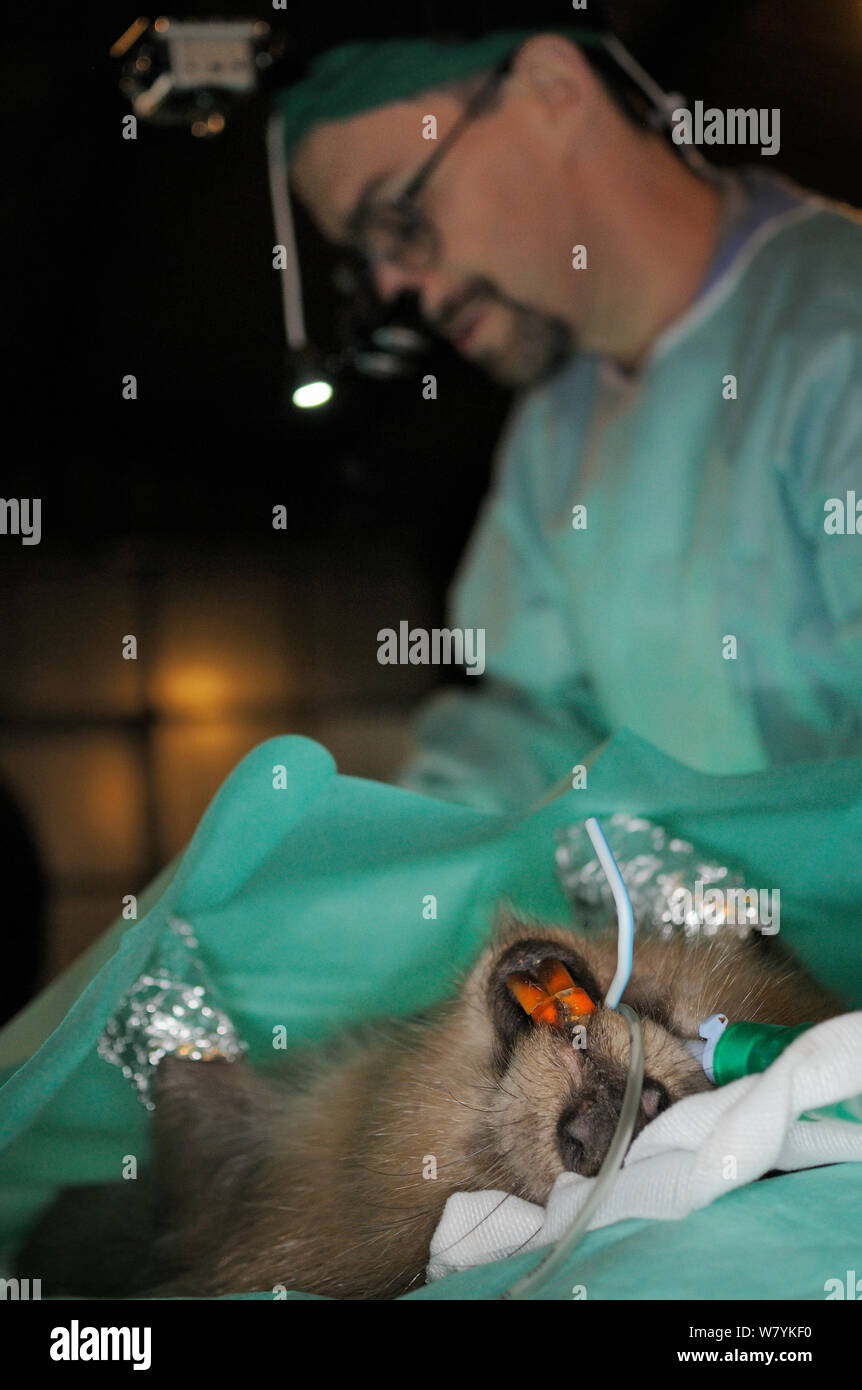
x,y
504,268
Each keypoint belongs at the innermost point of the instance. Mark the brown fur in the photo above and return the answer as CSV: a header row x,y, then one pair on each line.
x,y
314,1180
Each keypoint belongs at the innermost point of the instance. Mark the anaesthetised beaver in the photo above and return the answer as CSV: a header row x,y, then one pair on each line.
x,y
331,1175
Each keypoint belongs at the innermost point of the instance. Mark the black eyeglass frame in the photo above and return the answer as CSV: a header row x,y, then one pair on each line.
x,y
404,206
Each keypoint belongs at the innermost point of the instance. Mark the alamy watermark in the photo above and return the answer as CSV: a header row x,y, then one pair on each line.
x,y
441,646
847,1288
20,1289
77,1343
712,126
843,515
747,908
21,517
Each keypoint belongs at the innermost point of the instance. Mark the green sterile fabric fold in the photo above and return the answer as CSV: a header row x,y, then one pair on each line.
x,y
308,900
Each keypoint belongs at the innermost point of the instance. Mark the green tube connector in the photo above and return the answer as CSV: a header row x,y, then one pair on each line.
x,y
745,1048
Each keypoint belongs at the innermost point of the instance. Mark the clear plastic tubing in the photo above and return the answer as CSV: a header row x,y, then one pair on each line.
x,y
528,1285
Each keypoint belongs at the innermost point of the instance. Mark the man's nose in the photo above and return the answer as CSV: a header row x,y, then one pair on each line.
x,y
391,280
433,287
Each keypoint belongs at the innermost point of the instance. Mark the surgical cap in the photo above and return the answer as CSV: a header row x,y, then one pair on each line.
x,y
357,77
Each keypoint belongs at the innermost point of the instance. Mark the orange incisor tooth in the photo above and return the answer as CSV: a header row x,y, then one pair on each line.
x,y
554,977
555,1000
529,995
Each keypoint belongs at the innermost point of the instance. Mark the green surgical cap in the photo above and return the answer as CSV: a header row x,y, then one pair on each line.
x,y
358,77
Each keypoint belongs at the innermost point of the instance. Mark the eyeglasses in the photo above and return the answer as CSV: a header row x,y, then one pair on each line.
x,y
400,233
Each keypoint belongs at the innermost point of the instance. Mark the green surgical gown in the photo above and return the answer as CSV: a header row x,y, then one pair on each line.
x,y
708,604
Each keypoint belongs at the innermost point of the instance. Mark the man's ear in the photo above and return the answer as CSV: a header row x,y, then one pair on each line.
x,y
556,77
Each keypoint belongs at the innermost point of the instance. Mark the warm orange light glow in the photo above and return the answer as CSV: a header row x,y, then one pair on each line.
x,y
199,689
108,798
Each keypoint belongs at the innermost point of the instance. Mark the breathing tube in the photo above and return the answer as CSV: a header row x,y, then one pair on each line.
x,y
527,1286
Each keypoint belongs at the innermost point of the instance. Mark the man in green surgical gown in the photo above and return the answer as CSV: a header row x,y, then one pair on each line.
x,y
671,540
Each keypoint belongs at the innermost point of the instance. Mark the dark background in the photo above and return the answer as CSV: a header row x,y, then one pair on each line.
x,y
154,257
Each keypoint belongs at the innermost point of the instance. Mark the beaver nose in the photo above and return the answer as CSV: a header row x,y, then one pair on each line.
x,y
586,1129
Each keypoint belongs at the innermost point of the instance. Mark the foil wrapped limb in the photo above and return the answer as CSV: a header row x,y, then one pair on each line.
x,y
669,881
169,1009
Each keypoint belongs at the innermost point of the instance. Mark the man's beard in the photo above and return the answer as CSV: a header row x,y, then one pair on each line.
x,y
536,345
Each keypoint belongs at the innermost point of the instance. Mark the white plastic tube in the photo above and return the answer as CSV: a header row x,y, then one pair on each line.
x,y
625,917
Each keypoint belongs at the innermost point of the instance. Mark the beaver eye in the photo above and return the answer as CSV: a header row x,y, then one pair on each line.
x,y
657,1010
